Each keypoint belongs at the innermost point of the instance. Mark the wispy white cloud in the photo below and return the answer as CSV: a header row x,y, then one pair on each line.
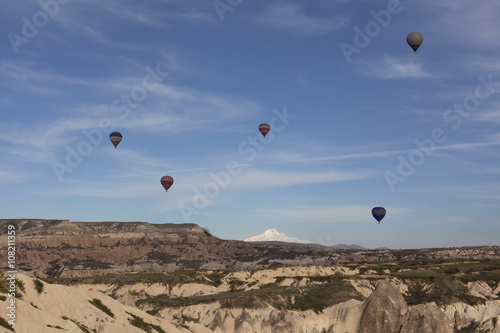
x,y
127,11
392,68
134,163
9,177
478,62
146,184
259,179
479,168
287,16
465,23
481,192
129,189
93,34
172,110
24,76
490,116
38,142
175,109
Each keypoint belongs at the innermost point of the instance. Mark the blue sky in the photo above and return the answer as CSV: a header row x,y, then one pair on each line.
x,y
358,119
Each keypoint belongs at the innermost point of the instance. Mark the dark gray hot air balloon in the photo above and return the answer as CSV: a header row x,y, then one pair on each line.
x,y
415,39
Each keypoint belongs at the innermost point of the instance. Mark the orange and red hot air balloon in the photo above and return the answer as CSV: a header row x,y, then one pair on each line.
x,y
264,129
167,181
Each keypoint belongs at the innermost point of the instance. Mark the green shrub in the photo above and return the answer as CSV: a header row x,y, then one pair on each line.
x,y
84,328
38,285
4,284
452,270
140,323
98,304
20,284
5,324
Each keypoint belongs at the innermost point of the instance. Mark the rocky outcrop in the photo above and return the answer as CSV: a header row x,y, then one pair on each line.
x,y
59,307
486,317
61,248
481,289
384,310
56,308
426,318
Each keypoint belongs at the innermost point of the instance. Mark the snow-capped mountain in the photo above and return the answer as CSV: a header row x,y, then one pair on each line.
x,y
273,235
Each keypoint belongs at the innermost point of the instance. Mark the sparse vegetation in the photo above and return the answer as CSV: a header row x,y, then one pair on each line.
x,y
58,327
84,328
452,270
98,304
38,285
140,323
5,324
20,285
4,286
187,319
235,284
472,328
318,297
430,280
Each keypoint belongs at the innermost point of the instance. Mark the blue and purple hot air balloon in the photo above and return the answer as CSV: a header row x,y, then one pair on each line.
x,y
116,138
378,213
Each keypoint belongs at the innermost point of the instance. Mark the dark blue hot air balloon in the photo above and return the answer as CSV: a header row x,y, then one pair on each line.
x,y
115,138
378,213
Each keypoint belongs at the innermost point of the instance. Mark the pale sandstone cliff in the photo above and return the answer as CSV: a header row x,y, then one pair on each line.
x,y
69,309
383,311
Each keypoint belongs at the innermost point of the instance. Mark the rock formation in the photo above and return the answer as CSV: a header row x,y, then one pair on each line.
x,y
384,310
68,309
55,248
58,307
426,318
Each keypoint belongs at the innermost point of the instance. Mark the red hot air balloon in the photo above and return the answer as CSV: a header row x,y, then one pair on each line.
x,y
264,129
167,181
115,138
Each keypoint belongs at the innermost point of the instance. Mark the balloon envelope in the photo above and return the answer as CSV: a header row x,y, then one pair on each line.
x,y
264,129
378,213
166,181
415,39
115,138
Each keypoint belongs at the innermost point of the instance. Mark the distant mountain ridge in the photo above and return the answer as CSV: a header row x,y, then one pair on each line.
x,y
273,235
61,248
348,247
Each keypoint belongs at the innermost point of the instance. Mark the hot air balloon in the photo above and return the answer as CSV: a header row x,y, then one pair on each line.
x,y
378,213
415,39
167,181
115,138
264,129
